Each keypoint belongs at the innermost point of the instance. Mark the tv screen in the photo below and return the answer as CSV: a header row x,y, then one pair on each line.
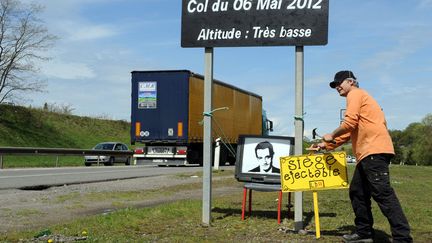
x,y
257,158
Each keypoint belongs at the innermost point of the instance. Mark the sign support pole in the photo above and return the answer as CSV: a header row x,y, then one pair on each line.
x,y
207,150
316,212
299,127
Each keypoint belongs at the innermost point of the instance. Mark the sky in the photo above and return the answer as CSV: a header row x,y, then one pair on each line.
x,y
387,44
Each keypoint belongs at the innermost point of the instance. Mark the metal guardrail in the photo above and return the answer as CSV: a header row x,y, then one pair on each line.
x,y
56,151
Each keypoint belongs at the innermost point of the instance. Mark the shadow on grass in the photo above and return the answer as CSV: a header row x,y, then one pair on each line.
x,y
271,214
227,212
308,216
380,236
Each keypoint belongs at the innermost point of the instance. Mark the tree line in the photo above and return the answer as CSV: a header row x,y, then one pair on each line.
x,y
413,145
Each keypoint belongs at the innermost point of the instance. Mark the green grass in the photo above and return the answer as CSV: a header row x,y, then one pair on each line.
x,y
27,212
181,221
28,127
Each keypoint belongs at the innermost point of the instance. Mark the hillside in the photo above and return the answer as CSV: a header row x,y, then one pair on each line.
x,y
30,127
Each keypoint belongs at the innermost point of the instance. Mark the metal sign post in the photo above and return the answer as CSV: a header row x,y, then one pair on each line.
x,y
299,127
207,156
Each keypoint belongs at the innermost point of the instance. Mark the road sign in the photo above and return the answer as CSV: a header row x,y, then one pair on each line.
x,y
229,23
314,172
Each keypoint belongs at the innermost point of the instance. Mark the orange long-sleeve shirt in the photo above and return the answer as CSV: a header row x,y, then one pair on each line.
x,y
366,125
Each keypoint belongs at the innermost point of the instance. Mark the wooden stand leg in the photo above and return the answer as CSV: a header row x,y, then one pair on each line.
x,y
250,202
245,197
289,204
279,207
317,224
244,203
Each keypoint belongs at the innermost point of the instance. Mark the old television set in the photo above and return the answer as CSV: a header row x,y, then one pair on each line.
x,y
255,153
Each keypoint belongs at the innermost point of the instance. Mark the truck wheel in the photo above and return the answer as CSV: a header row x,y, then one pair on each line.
x,y
193,157
231,159
223,156
87,164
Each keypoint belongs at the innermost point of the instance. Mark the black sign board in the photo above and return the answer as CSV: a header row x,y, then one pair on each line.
x,y
229,23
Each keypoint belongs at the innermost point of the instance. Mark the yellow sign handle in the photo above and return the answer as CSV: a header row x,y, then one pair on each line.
x,y
317,224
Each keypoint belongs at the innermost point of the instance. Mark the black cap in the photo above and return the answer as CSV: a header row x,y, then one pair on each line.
x,y
341,76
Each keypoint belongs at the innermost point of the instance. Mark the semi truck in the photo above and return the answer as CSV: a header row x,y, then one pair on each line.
x,y
167,117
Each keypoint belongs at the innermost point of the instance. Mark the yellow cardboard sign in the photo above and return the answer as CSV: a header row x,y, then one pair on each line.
x,y
314,172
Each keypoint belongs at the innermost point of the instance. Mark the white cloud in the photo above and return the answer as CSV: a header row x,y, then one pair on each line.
x,y
409,39
76,30
67,70
386,59
69,22
82,32
425,3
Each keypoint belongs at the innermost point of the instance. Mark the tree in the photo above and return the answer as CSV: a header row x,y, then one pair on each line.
x,y
427,121
396,137
23,39
422,152
413,145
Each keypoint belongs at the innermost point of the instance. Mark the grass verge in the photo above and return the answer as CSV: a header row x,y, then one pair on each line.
x,y
180,221
30,127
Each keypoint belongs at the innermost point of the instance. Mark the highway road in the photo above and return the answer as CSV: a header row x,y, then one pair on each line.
x,y
40,178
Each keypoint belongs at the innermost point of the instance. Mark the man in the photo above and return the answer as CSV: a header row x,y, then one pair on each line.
x,y
365,125
264,154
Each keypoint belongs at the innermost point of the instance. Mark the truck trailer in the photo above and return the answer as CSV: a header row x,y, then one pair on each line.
x,y
167,117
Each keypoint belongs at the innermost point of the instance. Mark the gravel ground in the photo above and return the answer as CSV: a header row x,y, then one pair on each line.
x,y
23,210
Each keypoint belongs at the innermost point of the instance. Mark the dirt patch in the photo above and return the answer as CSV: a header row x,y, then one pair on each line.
x,y
28,209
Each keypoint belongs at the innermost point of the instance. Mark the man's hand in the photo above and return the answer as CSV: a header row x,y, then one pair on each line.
x,y
316,147
328,138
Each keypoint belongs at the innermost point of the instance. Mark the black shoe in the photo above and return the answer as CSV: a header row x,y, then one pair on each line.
x,y
355,238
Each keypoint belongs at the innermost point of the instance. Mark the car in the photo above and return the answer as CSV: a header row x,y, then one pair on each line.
x,y
108,159
350,159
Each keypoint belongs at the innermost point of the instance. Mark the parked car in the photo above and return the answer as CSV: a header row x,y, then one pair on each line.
x,y
108,160
351,159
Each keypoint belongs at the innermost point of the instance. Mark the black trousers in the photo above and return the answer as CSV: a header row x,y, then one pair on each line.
x,y
372,179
